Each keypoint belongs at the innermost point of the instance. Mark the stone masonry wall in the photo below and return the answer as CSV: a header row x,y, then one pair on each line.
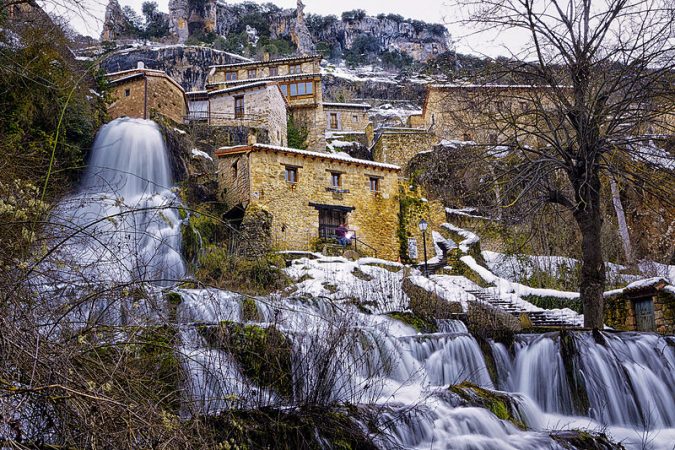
x,y
415,207
262,70
234,190
482,114
620,312
267,104
166,98
347,119
314,119
132,105
296,223
400,147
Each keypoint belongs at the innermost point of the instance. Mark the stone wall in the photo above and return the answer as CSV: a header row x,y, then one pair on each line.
x,y
314,120
128,99
263,108
619,310
415,207
166,98
234,186
482,113
262,69
399,146
296,223
144,94
348,119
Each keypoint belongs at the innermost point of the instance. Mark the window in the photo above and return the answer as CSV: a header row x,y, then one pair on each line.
x,y
235,170
239,106
500,105
291,174
335,179
333,121
524,106
230,76
374,184
252,73
297,89
467,136
355,118
295,69
492,139
127,92
274,71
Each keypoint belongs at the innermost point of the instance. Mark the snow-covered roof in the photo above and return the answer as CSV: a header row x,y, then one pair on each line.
x,y
271,61
346,105
489,86
276,78
144,72
336,157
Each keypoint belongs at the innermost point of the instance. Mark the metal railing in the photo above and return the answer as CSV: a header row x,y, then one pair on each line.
x,y
218,118
328,232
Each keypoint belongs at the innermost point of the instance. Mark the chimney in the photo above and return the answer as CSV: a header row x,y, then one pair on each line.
x,y
252,139
266,56
140,65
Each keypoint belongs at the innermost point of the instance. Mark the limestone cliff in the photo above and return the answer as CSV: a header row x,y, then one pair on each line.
x,y
115,23
331,35
185,64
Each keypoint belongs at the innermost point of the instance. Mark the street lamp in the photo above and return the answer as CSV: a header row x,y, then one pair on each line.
x,y
423,228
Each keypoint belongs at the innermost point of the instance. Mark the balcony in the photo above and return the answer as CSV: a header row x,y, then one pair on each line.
x,y
237,118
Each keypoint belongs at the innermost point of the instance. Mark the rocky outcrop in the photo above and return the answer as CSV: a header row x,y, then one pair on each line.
x,y
300,33
419,40
187,65
115,23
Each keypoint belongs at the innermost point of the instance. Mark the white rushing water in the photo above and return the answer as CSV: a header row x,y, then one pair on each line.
x,y
125,216
123,226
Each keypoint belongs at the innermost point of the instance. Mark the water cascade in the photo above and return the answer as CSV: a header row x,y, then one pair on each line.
x,y
129,230
121,226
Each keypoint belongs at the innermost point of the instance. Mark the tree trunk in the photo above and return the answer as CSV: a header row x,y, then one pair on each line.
x,y
621,221
588,216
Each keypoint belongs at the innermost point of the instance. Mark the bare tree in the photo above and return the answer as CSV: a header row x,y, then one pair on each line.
x,y
601,78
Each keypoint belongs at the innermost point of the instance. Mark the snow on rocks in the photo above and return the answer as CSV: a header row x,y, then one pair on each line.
x,y
470,238
196,153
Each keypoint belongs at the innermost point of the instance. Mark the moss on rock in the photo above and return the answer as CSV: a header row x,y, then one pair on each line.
x,y
264,354
498,403
418,323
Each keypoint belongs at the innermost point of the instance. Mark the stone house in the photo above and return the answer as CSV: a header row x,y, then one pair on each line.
x,y
258,105
481,113
400,145
298,78
308,194
142,92
346,117
645,305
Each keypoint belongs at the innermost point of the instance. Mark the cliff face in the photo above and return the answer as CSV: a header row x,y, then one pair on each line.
x,y
417,39
187,65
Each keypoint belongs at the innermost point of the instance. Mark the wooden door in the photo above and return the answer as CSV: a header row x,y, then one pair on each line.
x,y
644,314
329,220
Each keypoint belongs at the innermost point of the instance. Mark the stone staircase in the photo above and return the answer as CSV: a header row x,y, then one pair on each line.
x,y
543,318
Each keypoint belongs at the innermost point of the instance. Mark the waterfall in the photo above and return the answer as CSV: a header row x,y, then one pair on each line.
x,y
122,228
122,224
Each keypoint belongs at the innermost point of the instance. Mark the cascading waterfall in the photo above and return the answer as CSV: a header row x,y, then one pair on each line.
x,y
123,227
376,360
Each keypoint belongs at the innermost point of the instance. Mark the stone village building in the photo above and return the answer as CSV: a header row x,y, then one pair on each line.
x,y
308,194
141,92
257,105
298,78
645,305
